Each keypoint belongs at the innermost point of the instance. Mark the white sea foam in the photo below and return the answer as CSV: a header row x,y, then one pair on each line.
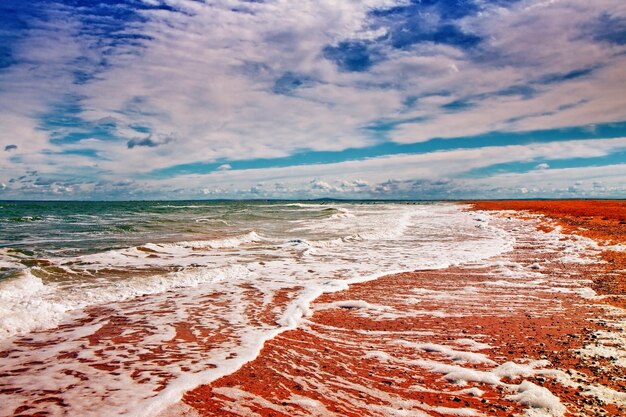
x,y
459,374
204,220
26,303
318,256
232,242
20,308
182,253
472,344
358,304
188,206
342,214
455,355
540,399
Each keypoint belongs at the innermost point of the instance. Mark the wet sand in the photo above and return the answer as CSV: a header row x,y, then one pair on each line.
x,y
604,221
524,335
539,330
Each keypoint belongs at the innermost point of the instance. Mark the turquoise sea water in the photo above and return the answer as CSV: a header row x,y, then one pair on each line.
x,y
86,227
34,231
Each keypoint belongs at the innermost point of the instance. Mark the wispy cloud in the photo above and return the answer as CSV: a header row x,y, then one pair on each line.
x,y
91,96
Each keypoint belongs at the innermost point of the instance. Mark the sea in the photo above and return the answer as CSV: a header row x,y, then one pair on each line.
x,y
118,308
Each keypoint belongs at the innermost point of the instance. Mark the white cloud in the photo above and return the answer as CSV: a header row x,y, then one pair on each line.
x,y
606,181
193,76
389,173
212,84
206,78
323,186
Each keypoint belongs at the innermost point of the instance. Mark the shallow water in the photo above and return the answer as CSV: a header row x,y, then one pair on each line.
x,y
140,290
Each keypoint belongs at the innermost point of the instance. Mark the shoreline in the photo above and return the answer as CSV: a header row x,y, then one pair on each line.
x,y
496,355
500,336
603,221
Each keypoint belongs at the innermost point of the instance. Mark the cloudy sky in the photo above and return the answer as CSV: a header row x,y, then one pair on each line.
x,y
142,99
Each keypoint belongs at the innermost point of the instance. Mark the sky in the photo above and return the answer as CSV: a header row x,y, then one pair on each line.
x,y
370,99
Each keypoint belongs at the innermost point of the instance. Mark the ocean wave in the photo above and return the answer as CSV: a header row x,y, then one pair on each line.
x,y
27,303
25,219
182,253
212,220
342,213
229,242
183,206
358,244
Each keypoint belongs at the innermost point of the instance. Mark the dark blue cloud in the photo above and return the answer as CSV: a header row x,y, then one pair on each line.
x,y
289,81
449,34
572,105
138,106
104,27
352,55
44,181
409,102
16,17
559,109
64,124
458,105
109,18
565,76
524,91
9,148
150,141
426,21
253,69
447,9
380,129
609,29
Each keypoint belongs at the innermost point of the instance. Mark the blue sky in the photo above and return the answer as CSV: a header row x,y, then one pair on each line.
x,y
430,99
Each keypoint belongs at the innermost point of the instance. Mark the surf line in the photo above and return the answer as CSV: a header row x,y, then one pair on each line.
x,y
295,313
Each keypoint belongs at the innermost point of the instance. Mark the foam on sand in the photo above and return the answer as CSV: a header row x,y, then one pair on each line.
x,y
365,350
232,294
540,400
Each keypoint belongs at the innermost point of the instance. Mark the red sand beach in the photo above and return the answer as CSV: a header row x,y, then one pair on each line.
x,y
537,331
470,340
601,220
